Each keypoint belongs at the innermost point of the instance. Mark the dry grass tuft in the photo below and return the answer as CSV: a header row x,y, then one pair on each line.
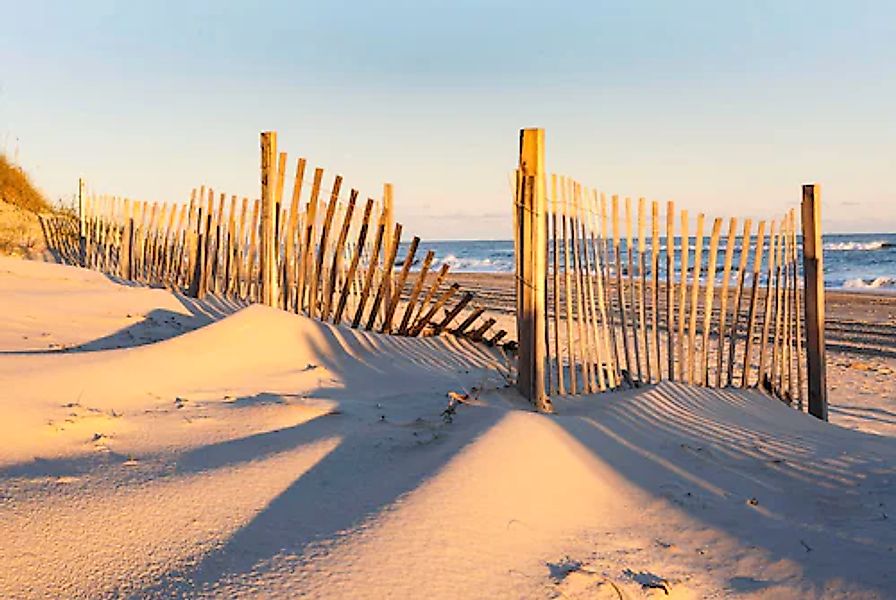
x,y
16,188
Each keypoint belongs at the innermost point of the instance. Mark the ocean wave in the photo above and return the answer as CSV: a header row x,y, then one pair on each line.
x,y
476,265
850,246
868,284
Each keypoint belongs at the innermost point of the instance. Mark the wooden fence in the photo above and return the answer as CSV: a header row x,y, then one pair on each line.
x,y
330,259
614,293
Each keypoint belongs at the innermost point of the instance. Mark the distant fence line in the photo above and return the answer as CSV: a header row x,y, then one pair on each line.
x,y
330,260
600,308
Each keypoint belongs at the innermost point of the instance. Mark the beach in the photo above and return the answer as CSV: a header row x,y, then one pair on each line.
x,y
861,348
161,446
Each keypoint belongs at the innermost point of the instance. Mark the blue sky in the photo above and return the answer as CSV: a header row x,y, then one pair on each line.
x,y
724,107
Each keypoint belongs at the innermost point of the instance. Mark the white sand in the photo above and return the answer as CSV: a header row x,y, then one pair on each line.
x,y
236,453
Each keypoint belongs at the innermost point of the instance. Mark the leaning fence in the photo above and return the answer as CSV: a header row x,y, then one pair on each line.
x,y
323,253
614,293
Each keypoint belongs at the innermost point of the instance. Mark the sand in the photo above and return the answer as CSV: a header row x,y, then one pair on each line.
x,y
861,349
185,449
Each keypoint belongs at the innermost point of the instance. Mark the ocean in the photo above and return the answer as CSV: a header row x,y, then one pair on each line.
x,y
865,261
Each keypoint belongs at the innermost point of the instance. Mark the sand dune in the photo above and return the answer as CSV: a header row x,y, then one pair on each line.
x,y
229,451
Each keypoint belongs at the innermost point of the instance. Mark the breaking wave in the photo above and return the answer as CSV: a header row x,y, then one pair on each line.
x,y
850,246
869,284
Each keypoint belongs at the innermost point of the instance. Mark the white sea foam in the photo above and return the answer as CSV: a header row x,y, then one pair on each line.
x,y
876,283
845,246
477,265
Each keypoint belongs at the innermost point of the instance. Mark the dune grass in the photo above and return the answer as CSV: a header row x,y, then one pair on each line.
x,y
17,189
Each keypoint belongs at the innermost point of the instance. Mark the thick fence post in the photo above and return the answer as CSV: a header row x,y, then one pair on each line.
x,y
268,250
531,268
813,273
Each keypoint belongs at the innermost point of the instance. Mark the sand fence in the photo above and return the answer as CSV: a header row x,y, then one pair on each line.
x,y
610,293
613,293
317,251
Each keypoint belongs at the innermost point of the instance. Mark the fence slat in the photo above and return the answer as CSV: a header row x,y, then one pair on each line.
x,y
632,284
415,292
670,290
306,251
318,272
386,279
620,290
595,339
338,250
372,266
567,276
437,328
695,298
642,288
684,242
424,320
655,284
555,273
596,245
399,284
751,311
582,349
769,304
723,296
471,318
710,289
356,259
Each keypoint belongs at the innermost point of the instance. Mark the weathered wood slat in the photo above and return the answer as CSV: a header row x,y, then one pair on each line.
x,y
372,266
684,242
670,290
723,297
642,287
751,311
594,328
608,299
338,250
437,328
608,365
655,285
291,241
710,288
567,290
305,262
415,293
560,387
399,285
582,349
738,297
424,320
695,300
385,282
318,272
430,296
356,259
477,335
465,324
768,307
620,291
632,288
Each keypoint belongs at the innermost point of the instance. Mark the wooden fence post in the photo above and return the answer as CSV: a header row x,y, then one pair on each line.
x,y
268,250
813,274
531,268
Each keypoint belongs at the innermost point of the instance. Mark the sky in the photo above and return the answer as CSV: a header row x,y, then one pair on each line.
x,y
724,107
